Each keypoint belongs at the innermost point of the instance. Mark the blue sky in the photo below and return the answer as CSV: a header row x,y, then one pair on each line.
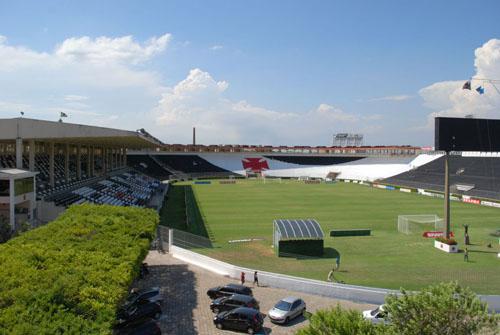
x,y
261,72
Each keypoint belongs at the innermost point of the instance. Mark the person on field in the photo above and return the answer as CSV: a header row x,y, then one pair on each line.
x,y
337,263
242,278
466,255
330,275
255,279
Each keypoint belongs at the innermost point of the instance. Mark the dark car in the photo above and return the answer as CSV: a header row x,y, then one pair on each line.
x,y
242,318
135,313
236,300
228,290
140,327
139,297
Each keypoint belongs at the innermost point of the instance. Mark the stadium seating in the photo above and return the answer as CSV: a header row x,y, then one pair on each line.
x,y
148,166
123,189
189,164
163,166
7,161
480,174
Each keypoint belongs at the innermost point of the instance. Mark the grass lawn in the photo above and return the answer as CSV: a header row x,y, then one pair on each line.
x,y
386,259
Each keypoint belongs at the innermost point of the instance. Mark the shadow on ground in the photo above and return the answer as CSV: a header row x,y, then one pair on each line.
x,y
178,287
328,253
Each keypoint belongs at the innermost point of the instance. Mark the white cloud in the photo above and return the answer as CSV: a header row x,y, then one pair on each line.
x,y
447,98
216,47
104,68
199,100
74,97
128,96
104,50
402,97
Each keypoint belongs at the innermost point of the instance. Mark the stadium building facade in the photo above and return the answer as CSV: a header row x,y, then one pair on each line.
x,y
54,157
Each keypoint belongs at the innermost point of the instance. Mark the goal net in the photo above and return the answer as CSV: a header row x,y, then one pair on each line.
x,y
408,224
271,180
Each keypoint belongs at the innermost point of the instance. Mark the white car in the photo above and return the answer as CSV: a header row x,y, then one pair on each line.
x,y
287,309
377,315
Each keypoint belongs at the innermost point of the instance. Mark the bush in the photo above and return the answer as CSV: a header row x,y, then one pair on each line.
x,y
439,309
449,241
5,230
338,321
69,276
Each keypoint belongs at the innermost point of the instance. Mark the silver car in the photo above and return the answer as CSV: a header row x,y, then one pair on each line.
x,y
287,309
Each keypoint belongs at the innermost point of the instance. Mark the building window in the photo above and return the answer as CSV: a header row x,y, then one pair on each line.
x,y
4,188
23,186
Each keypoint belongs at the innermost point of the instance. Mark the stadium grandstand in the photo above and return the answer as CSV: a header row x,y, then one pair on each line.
x,y
346,163
473,174
46,166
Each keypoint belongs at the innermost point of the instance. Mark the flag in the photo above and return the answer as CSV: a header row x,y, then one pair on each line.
x,y
466,85
480,90
22,113
64,114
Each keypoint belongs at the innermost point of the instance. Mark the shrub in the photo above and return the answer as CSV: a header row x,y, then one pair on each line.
x,y
338,321
69,276
439,309
5,230
449,241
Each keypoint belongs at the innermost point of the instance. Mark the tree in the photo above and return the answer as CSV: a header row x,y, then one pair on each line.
x,y
444,309
5,230
338,321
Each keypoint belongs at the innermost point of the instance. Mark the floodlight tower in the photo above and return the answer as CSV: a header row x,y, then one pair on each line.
x,y
447,194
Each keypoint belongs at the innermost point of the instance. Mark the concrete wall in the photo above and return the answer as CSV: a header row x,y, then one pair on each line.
x,y
310,286
47,211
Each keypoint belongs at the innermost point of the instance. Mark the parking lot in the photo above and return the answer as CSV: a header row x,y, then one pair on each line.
x,y
186,307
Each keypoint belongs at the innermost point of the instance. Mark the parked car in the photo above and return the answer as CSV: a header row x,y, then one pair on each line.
x,y
242,318
377,315
286,309
138,297
140,327
135,313
228,290
236,300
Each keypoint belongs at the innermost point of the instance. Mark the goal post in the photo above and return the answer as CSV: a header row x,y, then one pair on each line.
x,y
268,179
408,224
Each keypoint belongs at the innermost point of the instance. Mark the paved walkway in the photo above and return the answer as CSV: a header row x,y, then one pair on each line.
x,y
186,308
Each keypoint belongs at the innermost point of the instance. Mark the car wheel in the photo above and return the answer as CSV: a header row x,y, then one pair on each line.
x,y
216,310
219,326
250,330
287,320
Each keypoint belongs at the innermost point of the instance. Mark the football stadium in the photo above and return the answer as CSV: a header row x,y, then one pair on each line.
x,y
259,167
373,213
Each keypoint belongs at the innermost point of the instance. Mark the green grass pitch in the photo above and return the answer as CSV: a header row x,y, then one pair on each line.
x,y
386,259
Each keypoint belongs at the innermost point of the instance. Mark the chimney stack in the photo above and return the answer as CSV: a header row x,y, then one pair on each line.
x,y
194,135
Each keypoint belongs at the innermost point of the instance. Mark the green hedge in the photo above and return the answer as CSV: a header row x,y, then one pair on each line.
x,y
69,276
350,232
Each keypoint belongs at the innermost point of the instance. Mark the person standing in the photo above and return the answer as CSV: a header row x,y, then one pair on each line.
x,y
255,279
466,255
330,275
242,278
337,263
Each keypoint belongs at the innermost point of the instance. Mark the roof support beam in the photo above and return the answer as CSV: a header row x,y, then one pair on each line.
x,y
19,153
51,164
32,152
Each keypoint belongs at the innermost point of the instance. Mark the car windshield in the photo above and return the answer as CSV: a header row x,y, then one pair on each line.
x,y
283,305
131,298
375,311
